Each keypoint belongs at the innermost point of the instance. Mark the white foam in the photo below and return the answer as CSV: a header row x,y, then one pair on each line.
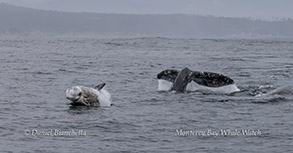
x,y
164,85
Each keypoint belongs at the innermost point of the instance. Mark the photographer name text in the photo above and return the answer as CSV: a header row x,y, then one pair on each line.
x,y
54,132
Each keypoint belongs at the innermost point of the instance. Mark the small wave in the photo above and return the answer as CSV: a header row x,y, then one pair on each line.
x,y
277,99
42,73
270,100
67,71
114,44
265,86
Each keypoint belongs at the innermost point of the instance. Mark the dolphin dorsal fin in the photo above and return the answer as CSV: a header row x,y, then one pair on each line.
x,y
100,86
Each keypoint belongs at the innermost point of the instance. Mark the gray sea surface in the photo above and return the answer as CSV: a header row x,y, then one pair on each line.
x,y
35,115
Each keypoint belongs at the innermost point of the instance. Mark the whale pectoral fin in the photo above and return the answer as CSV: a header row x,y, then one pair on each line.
x,y
100,86
169,75
210,79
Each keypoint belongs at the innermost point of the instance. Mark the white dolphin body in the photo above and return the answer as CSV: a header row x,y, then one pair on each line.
x,y
80,95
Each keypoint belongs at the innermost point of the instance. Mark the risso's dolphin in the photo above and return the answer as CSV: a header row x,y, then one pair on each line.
x,y
183,80
80,95
286,90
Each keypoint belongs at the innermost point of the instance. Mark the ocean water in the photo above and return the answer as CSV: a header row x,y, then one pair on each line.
x,y
35,115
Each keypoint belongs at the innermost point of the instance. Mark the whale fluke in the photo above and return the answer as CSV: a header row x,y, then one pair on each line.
x,y
181,80
169,75
211,79
186,79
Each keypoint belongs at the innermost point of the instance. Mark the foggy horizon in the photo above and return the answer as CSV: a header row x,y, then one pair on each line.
x,y
24,20
262,9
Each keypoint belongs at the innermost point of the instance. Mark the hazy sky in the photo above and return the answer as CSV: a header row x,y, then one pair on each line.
x,y
259,9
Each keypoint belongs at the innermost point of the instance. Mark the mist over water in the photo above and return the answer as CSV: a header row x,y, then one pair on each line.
x,y
36,71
